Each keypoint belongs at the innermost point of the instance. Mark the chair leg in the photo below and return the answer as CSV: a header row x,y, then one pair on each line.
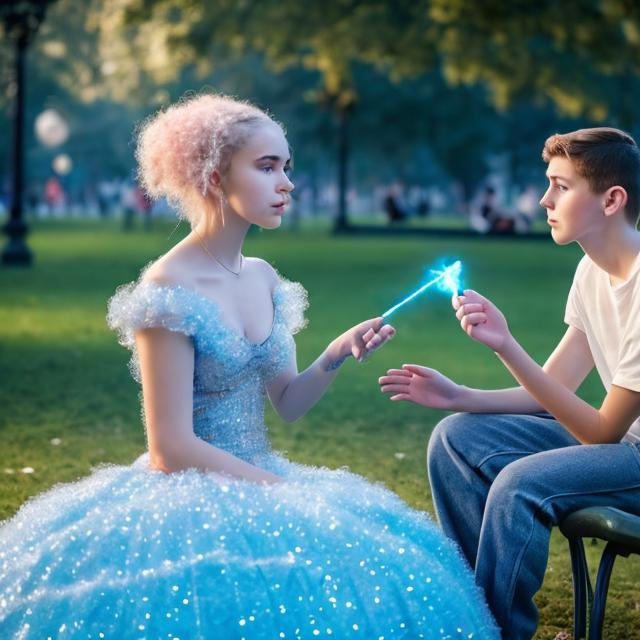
x,y
602,587
580,587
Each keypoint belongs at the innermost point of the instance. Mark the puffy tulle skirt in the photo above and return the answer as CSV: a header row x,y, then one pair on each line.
x,y
130,552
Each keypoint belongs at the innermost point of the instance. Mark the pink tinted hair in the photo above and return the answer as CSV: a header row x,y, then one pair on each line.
x,y
178,148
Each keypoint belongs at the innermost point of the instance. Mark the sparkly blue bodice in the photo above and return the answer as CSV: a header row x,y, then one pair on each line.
x,y
230,372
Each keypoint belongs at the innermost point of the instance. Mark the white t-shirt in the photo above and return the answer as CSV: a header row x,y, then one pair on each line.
x,y
610,317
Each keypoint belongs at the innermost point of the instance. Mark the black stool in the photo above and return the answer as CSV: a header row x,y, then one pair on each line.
x,y
621,531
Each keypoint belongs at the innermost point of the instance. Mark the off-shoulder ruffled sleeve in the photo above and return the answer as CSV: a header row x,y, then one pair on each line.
x,y
292,300
145,305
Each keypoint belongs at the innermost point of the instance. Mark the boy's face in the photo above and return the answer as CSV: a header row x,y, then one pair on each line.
x,y
574,212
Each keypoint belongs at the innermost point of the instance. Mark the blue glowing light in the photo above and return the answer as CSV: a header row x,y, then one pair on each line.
x,y
448,280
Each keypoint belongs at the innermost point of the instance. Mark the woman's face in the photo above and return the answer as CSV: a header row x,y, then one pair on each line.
x,y
256,186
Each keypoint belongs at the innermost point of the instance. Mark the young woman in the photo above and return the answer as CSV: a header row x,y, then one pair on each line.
x,y
212,534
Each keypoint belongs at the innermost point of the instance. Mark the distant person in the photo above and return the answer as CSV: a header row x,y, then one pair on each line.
x,y
33,197
515,462
54,195
393,204
528,209
496,221
128,203
424,206
109,196
488,209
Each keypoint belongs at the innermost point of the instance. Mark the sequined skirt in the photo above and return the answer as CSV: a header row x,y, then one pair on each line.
x,y
129,552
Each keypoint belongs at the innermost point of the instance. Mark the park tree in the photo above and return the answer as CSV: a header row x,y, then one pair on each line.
x,y
547,66
579,56
559,54
323,37
458,76
457,126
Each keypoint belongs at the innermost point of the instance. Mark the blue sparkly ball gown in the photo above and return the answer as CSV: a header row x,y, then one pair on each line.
x,y
132,552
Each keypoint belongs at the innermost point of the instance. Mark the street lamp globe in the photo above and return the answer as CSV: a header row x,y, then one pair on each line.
x,y
62,164
51,128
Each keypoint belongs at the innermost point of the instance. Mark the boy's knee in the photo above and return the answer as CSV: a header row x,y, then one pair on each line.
x,y
454,426
447,432
513,483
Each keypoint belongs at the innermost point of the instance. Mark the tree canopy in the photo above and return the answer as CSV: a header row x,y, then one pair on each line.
x,y
429,85
529,49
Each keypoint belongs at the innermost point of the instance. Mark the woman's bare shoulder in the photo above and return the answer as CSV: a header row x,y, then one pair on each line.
x,y
174,268
264,270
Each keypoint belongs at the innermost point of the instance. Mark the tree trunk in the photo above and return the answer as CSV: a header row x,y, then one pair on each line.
x,y
342,217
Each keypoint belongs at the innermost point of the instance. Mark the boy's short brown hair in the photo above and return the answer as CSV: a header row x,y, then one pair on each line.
x,y
605,157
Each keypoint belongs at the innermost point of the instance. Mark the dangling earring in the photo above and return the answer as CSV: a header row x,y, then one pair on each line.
x,y
216,191
212,195
221,201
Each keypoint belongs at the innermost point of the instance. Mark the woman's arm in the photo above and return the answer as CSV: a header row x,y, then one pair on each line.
x,y
166,365
484,322
292,394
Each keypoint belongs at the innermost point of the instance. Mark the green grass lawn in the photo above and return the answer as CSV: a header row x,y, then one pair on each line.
x,y
68,403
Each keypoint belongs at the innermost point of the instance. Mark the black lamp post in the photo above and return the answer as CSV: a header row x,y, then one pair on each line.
x,y
21,20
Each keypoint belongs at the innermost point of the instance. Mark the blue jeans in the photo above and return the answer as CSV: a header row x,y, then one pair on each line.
x,y
499,484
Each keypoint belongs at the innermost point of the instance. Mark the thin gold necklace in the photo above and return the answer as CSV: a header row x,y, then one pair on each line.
x,y
214,257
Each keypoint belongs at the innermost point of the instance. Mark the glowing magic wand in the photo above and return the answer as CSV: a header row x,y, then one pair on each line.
x,y
448,279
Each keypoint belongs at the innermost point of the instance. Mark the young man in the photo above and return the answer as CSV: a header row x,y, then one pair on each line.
x,y
505,471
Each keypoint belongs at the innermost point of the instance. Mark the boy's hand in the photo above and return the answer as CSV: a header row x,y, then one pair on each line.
x,y
421,385
481,320
360,341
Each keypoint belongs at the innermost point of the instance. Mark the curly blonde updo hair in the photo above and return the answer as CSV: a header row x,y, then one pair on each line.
x,y
178,148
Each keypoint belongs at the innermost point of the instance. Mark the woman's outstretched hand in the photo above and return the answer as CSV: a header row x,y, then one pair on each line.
x,y
481,320
360,341
423,386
